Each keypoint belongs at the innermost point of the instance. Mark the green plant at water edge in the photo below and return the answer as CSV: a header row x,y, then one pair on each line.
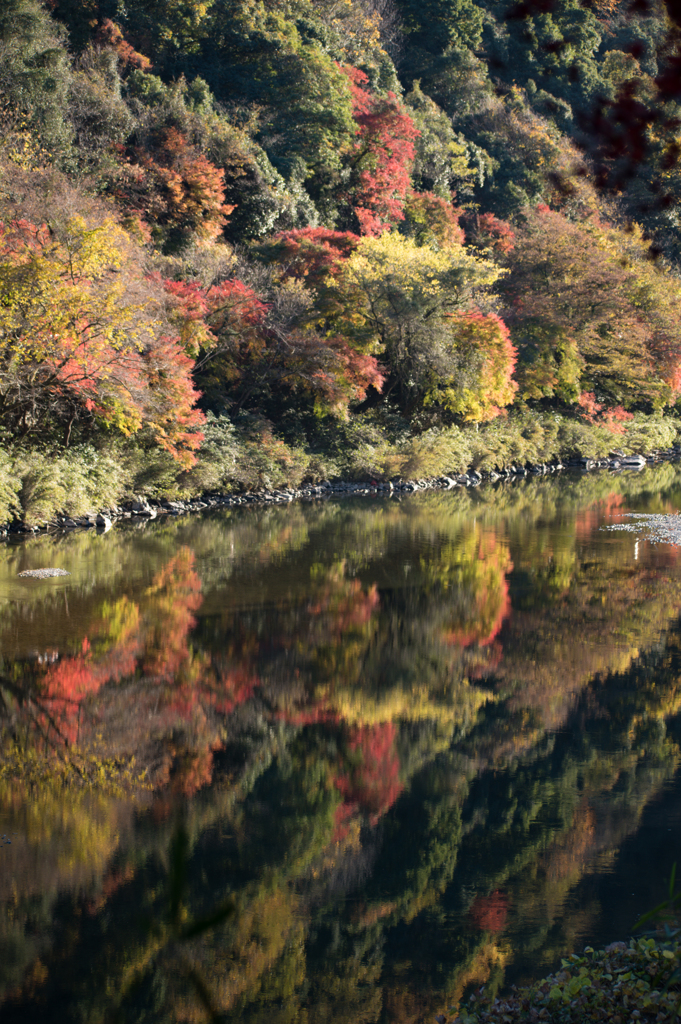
x,y
76,481
622,983
666,913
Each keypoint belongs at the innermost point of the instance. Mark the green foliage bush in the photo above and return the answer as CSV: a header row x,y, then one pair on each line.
x,y
9,488
436,451
625,983
247,456
516,439
35,74
77,481
219,454
265,461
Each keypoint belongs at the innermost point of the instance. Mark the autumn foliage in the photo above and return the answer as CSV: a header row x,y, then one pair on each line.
x,y
488,231
340,258
310,254
591,313
174,186
382,155
228,328
373,785
81,338
483,339
110,35
595,412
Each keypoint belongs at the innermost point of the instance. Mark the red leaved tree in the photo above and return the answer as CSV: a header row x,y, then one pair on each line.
x,y
489,232
110,36
248,356
309,254
612,419
382,156
174,186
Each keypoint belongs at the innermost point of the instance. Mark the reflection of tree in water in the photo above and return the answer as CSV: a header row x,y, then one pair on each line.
x,y
480,576
389,832
179,695
371,780
446,895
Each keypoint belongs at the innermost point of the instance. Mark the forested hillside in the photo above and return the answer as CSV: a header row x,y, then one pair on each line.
x,y
253,242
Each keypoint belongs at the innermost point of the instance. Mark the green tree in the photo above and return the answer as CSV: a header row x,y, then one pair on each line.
x,y
34,79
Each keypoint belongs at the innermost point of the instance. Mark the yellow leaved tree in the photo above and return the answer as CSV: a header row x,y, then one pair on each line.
x,y
416,307
83,337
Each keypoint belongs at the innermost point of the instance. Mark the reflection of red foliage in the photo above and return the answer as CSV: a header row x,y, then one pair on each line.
x,y
233,688
589,520
374,784
113,881
485,659
309,716
489,913
186,689
342,821
503,613
349,605
175,595
67,683
192,772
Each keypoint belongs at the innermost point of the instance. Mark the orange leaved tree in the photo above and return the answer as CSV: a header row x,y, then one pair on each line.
x,y
83,338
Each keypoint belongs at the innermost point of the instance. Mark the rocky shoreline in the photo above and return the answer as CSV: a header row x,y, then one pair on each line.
x,y
150,508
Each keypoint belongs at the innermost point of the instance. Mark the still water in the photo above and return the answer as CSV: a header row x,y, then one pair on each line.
x,y
335,762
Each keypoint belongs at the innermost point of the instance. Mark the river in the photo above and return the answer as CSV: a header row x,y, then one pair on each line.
x,y
336,762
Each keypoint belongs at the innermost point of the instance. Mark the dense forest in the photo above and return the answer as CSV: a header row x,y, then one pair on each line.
x,y
247,243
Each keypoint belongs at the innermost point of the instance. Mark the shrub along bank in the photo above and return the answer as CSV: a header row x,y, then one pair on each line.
x,y
38,486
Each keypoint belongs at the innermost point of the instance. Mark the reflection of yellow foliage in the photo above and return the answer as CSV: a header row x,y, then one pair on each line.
x,y
478,969
356,707
350,843
34,979
64,837
119,621
566,860
375,913
476,564
264,927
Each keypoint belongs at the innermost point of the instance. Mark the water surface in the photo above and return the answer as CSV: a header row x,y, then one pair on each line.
x,y
416,745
